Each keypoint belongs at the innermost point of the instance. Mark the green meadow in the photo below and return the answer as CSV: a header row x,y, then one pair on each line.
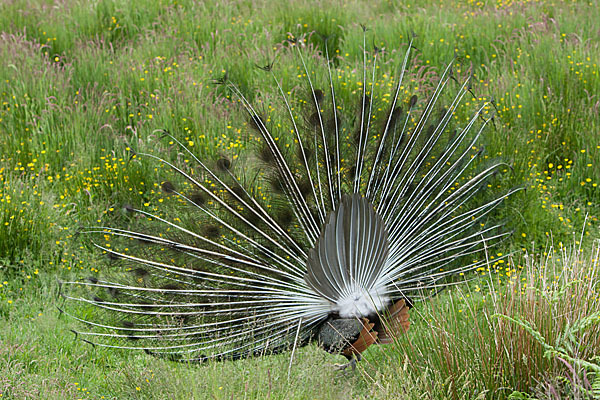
x,y
83,83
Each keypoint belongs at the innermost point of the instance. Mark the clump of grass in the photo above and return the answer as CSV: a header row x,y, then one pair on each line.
x,y
27,220
541,326
556,318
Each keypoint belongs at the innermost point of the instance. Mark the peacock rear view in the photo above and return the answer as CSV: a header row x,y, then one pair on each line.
x,y
345,208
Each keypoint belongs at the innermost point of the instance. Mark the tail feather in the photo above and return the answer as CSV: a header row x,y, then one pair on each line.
x,y
341,207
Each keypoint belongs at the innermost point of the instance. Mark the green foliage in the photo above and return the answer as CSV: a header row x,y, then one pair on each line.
x,y
80,81
84,85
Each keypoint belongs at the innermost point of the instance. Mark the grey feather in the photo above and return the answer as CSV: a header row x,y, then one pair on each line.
x,y
353,229
336,333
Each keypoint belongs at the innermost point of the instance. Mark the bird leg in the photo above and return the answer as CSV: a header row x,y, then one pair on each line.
x,y
351,363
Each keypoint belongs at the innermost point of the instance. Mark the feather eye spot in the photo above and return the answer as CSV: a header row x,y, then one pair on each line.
x,y
127,324
140,272
266,155
223,164
113,256
256,123
413,101
318,96
198,198
211,231
168,187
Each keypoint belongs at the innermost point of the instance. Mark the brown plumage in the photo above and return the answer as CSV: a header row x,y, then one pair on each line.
x,y
382,330
366,338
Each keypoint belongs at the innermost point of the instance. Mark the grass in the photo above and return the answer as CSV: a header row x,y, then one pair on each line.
x,y
521,333
40,358
81,84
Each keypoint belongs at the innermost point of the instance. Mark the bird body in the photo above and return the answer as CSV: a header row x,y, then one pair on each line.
x,y
338,224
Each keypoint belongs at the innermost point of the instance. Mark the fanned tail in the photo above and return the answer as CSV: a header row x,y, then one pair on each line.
x,y
379,196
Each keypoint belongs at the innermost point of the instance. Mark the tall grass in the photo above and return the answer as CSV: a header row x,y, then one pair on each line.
x,y
536,332
82,84
80,81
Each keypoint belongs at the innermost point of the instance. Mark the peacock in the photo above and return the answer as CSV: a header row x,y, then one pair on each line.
x,y
345,207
